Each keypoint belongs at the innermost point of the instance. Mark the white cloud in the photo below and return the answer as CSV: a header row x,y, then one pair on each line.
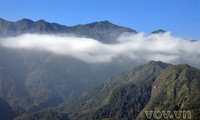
x,y
163,47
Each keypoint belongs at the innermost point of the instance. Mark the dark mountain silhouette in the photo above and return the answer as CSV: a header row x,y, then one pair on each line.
x,y
104,31
6,110
159,31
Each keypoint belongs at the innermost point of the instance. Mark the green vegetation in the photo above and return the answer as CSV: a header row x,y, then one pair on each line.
x,y
44,86
176,89
34,80
154,86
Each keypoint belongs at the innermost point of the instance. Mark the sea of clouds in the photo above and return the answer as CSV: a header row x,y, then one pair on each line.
x,y
160,47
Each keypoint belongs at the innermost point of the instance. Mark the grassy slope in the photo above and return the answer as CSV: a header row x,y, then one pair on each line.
x,y
177,88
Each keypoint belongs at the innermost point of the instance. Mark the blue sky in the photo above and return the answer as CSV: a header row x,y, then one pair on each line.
x,y
181,17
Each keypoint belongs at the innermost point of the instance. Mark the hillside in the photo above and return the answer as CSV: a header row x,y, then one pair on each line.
x,y
35,80
38,83
176,89
6,110
129,94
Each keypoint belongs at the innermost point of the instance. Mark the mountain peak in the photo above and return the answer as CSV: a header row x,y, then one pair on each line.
x,y
105,21
25,20
105,24
159,31
103,31
159,63
101,23
1,19
41,21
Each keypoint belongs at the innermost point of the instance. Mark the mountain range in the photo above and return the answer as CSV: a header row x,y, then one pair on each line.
x,y
40,85
153,86
103,31
40,77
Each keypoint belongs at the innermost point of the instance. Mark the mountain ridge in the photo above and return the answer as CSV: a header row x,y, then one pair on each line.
x,y
35,79
38,84
103,31
159,31
128,94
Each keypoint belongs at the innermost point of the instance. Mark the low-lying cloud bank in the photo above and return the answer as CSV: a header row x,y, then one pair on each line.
x,y
140,47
